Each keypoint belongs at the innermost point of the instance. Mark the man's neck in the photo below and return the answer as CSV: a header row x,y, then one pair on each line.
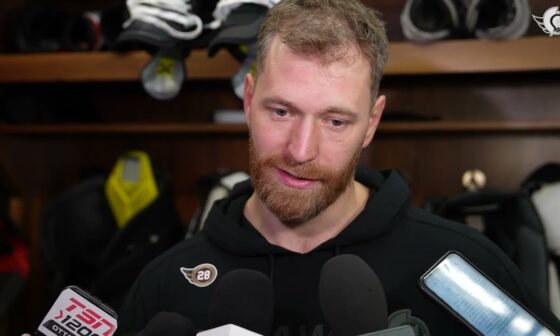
x,y
307,236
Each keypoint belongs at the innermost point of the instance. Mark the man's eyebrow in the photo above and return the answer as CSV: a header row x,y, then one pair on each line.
x,y
279,101
329,110
339,110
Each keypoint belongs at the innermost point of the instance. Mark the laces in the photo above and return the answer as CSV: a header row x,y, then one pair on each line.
x,y
224,7
161,13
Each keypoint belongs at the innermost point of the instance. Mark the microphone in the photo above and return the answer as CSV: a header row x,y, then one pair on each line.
x,y
168,324
351,296
244,298
228,330
76,312
353,300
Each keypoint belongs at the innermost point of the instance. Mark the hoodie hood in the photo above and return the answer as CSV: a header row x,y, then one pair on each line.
x,y
388,197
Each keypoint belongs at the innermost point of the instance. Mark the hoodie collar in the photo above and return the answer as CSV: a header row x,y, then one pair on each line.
x,y
389,196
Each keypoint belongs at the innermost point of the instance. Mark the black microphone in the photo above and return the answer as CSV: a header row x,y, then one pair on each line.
x,y
168,324
351,297
76,312
244,298
353,301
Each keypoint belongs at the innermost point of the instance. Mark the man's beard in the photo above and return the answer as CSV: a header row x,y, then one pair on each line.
x,y
293,206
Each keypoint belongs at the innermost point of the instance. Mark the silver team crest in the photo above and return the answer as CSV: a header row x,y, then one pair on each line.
x,y
550,21
202,275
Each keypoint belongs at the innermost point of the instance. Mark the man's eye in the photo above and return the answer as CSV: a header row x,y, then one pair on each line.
x,y
280,112
337,122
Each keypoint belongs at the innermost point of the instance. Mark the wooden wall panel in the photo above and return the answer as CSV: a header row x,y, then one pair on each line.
x,y
475,97
434,164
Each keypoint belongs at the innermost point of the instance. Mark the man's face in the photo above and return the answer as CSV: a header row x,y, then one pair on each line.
x,y
308,124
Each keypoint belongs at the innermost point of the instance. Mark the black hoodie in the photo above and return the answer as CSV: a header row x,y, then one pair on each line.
x,y
398,241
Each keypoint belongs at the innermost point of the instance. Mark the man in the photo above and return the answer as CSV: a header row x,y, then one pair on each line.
x,y
311,107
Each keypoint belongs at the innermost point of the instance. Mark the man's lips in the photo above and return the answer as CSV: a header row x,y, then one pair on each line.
x,y
295,181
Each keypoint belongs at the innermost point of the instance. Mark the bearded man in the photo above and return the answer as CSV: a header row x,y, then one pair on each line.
x,y
312,106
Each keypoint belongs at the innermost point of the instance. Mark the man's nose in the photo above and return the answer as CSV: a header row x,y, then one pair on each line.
x,y
303,144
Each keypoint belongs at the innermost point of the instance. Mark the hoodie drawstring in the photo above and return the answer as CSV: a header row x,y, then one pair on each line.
x,y
271,271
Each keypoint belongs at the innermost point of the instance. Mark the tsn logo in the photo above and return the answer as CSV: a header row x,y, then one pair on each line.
x,y
89,319
75,314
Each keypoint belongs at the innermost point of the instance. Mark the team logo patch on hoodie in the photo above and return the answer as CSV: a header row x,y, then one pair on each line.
x,y
202,275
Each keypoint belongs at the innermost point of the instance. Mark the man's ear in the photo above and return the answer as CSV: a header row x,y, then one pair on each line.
x,y
248,86
374,119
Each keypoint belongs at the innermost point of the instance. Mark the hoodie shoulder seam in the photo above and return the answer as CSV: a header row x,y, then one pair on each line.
x,y
488,249
179,248
465,234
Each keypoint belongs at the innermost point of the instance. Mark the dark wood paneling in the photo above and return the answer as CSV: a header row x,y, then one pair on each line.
x,y
499,97
434,164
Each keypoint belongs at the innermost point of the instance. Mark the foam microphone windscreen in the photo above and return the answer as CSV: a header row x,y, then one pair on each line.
x,y
351,296
169,324
245,298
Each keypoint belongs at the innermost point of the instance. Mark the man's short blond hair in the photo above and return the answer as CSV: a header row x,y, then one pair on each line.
x,y
328,29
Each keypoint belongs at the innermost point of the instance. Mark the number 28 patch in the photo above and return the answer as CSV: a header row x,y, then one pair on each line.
x,y
202,275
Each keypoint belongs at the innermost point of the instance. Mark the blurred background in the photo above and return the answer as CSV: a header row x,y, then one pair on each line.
x,y
115,133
